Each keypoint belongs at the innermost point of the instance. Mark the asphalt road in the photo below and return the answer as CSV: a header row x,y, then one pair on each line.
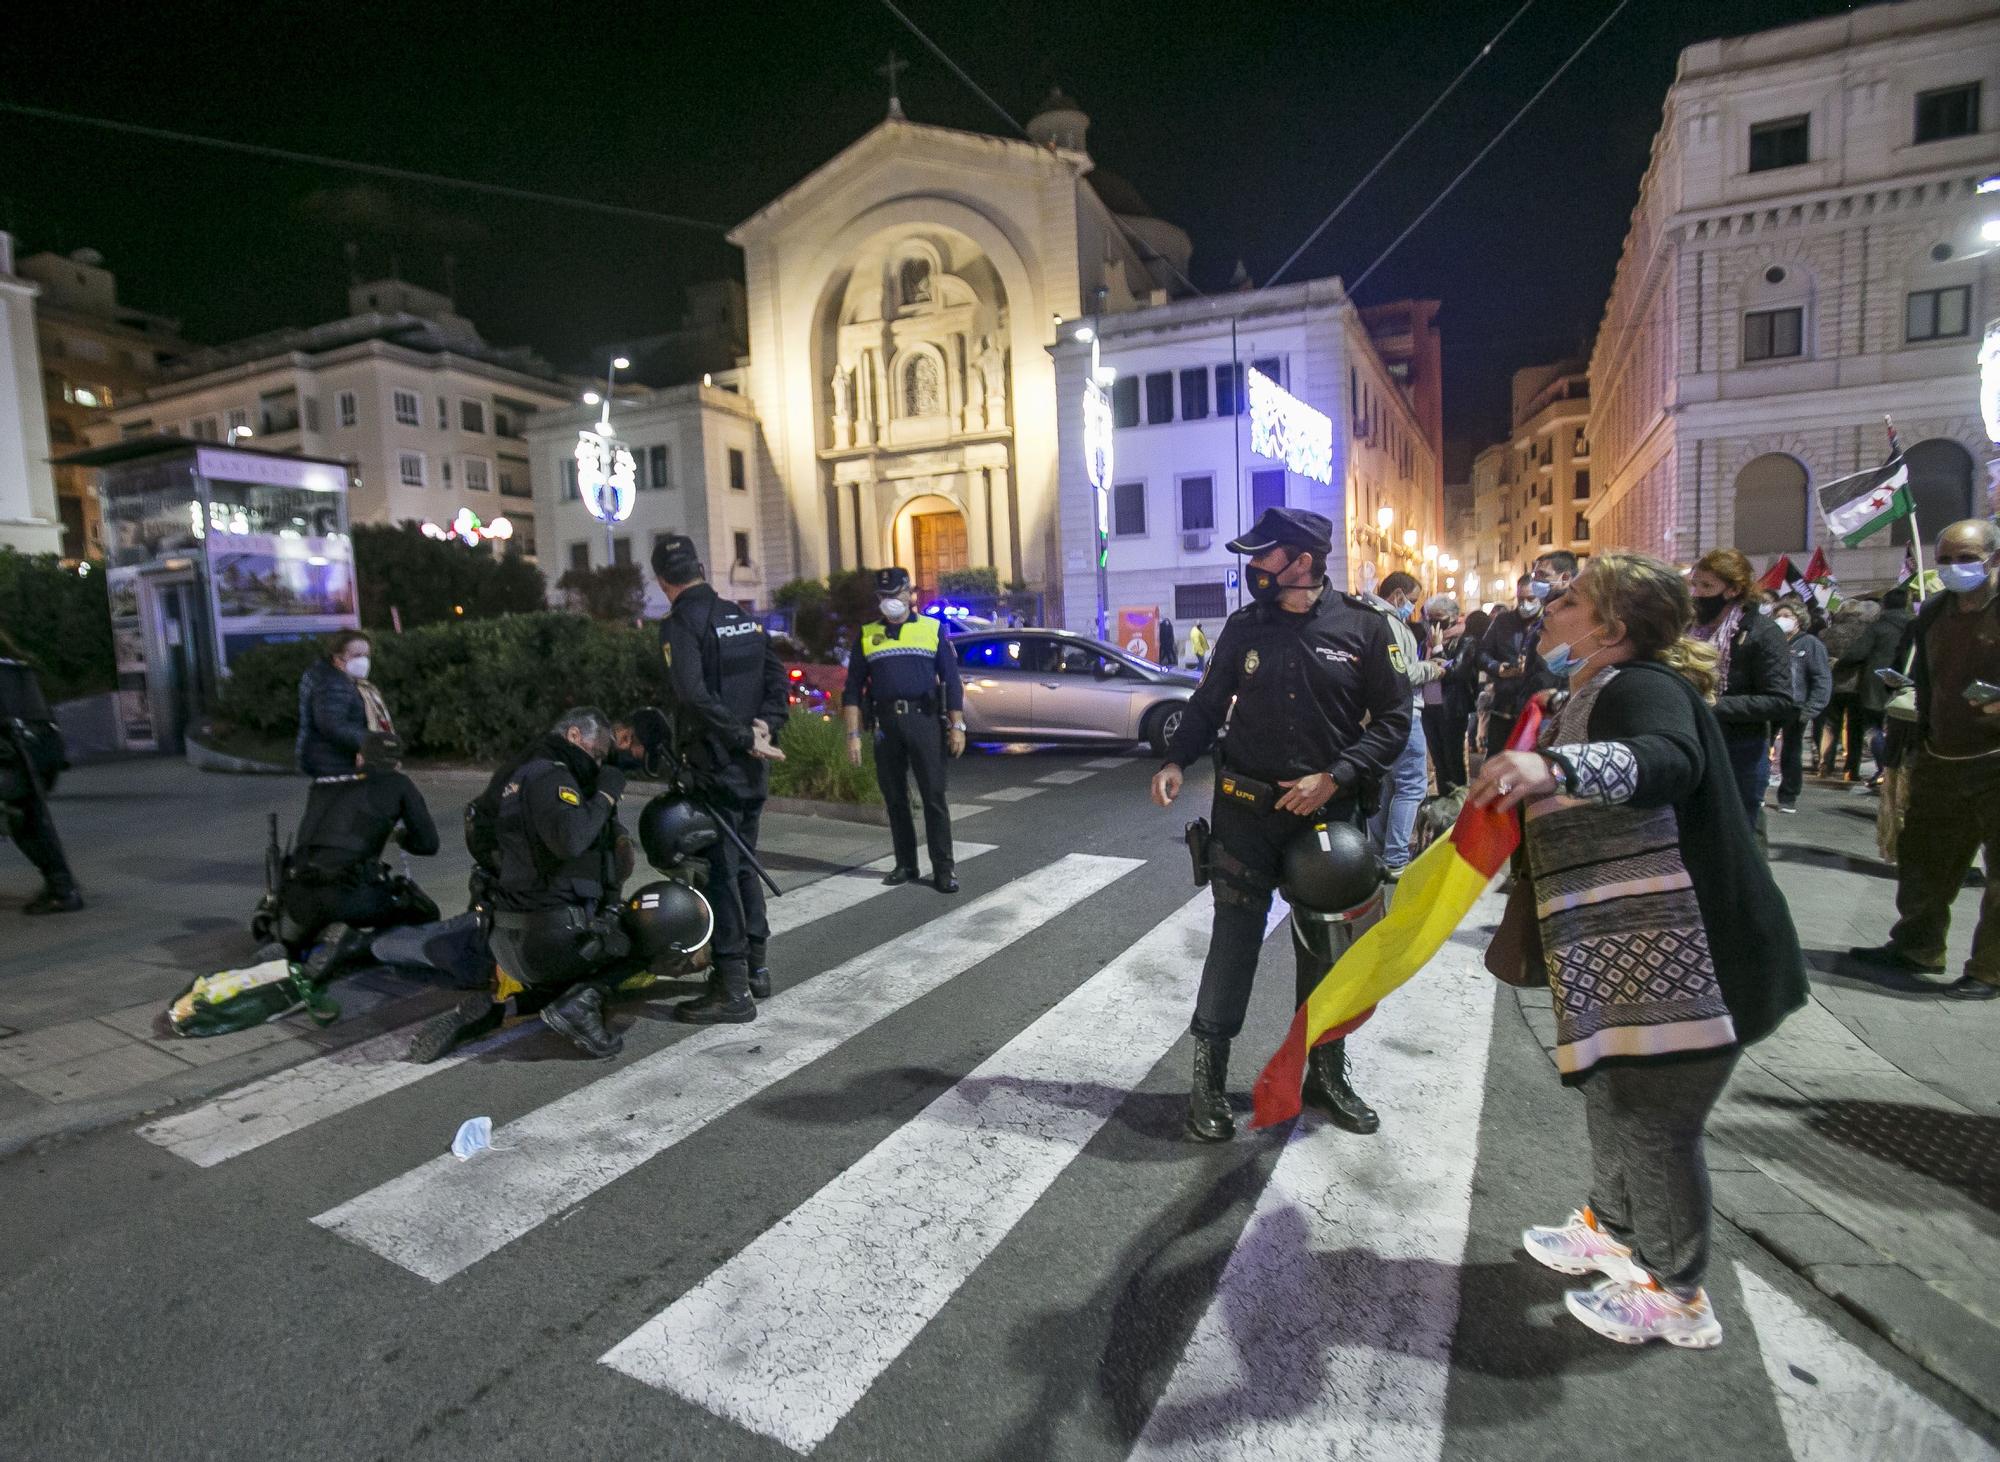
x,y
934,1203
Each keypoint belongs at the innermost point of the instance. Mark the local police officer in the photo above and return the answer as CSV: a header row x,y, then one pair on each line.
x,y
555,932
335,881
1320,710
906,673
31,755
729,698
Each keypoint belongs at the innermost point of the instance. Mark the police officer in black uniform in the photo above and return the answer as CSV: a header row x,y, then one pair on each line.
x,y
727,692
335,881
1321,711
906,673
31,756
554,899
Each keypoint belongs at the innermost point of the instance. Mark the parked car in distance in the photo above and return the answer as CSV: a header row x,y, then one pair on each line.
x,y
1054,685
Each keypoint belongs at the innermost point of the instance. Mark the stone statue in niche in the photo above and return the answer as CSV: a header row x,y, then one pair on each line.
x,y
993,376
913,282
923,393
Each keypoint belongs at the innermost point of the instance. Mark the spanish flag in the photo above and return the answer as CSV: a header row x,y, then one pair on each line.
x,y
1435,893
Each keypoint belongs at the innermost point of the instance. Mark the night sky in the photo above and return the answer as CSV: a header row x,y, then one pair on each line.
x,y
1243,124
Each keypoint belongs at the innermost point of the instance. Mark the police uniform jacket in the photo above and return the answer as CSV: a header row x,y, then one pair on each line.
x,y
348,821
1313,692
903,662
721,675
552,831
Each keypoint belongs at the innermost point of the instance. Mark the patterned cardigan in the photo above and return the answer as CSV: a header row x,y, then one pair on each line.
x,y
1623,940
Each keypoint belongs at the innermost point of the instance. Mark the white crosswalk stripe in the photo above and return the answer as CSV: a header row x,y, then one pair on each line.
x,y
445,1215
1330,1332
1064,778
1109,763
291,1100
1012,794
792,1332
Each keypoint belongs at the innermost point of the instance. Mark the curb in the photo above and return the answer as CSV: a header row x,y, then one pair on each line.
x,y
872,814
208,759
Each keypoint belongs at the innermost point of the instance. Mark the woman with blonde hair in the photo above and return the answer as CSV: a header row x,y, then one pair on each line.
x,y
1753,672
1663,937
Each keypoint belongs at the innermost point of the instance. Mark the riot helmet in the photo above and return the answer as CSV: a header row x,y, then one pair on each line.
x,y
672,829
666,918
1333,881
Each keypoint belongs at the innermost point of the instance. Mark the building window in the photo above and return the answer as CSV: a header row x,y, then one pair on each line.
x,y
1125,401
408,411
1159,397
346,409
621,549
1580,529
514,480
1938,314
1199,601
1773,334
579,557
238,418
1582,489
524,534
1229,390
571,488
477,475
472,416
311,405
739,479
410,468
656,467
1194,394
1267,490
742,544
204,429
1951,111
1197,504
444,414
1128,510
1779,144
1271,367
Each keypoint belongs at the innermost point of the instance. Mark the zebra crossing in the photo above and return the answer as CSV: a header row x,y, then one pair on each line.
x,y
1330,1327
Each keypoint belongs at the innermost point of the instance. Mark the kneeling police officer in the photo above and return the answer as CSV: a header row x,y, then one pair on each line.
x,y
554,901
1320,711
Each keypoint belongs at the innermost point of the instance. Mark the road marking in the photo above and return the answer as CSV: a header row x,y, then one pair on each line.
x,y
444,1215
1330,1332
1065,778
787,1336
1109,763
1835,1402
291,1100
1012,794
962,810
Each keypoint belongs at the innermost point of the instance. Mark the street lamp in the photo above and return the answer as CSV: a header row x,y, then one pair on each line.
x,y
618,363
240,433
1384,516
1409,538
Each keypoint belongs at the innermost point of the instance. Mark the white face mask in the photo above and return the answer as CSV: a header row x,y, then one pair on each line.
x,y
357,666
895,611
1788,624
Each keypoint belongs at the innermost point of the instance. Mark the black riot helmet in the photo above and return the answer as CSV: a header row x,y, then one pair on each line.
x,y
1331,875
672,829
666,918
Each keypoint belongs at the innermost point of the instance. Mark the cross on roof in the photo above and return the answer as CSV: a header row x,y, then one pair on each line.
x,y
891,68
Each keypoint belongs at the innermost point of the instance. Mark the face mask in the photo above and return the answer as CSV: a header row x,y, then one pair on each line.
x,y
1541,588
1789,625
1532,608
1562,660
1962,578
1708,606
1402,611
895,611
1264,585
357,666
1763,609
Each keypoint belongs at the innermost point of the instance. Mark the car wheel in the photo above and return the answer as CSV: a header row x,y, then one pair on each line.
x,y
1162,722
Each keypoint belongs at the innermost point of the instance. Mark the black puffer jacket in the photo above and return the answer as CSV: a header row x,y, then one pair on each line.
x,y
332,720
1759,693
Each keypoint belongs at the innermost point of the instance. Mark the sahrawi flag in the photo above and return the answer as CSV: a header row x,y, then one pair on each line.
x,y
1864,503
1437,890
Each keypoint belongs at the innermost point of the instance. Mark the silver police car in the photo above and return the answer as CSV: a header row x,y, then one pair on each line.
x,y
1053,685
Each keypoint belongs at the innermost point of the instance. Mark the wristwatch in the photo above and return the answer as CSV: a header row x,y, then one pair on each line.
x,y
1565,770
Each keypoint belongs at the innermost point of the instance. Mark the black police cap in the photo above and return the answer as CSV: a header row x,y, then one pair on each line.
x,y
676,559
891,580
1291,527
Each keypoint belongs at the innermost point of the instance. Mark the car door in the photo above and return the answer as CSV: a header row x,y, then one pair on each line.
x,y
998,674
1084,693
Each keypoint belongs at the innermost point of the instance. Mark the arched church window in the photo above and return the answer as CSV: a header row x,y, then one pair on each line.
x,y
922,387
913,282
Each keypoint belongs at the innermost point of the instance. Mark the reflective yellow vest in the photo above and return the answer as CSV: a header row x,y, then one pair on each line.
x,y
918,636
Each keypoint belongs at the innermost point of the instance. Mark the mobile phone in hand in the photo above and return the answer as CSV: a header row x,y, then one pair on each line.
x,y
1893,678
1982,693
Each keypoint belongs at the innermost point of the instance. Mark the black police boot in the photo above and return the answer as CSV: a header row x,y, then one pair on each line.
x,y
579,1017
53,900
474,1016
943,880
338,944
1208,1118
897,877
1326,1087
760,974
727,1002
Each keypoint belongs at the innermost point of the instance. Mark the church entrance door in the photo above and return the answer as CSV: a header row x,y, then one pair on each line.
x,y
939,541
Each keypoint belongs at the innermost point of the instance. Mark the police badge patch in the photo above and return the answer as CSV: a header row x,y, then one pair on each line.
x,y
1250,663
1396,658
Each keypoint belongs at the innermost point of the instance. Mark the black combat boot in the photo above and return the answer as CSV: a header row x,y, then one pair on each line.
x,y
474,1016
944,880
760,974
727,1001
579,1016
897,877
1326,1087
53,900
337,945
1208,1118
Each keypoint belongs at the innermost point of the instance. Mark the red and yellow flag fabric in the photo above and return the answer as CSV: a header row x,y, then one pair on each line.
x,y
1435,893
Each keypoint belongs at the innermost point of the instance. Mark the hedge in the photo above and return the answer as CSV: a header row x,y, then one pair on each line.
x,y
58,621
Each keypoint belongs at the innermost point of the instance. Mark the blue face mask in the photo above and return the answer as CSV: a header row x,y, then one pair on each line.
x,y
1962,578
1402,611
1562,660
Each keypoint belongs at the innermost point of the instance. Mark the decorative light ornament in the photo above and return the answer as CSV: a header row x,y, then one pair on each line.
x,y
606,475
467,529
1285,429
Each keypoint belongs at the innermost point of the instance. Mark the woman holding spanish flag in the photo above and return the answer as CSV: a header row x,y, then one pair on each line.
x,y
1664,937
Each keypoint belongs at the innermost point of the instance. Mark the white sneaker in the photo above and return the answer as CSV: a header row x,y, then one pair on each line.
x,y
1634,1313
1579,1246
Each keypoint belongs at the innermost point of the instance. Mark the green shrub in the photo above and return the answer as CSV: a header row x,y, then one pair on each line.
x,y
428,581
614,594
969,583
59,621
816,764
261,694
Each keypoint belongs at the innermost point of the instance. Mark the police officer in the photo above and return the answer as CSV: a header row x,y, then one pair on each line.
x,y
335,882
1320,713
31,754
906,673
555,898
729,698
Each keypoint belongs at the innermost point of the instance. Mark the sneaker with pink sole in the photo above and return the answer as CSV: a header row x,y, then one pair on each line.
x,y
1579,1246
1633,1313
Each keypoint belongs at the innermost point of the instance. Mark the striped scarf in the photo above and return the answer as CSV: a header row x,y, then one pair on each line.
x,y
1721,634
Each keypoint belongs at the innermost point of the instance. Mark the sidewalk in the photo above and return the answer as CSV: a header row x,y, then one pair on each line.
x,y
1861,1143
172,861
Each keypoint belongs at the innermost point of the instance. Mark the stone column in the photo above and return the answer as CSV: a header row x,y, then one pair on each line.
x,y
1005,552
29,519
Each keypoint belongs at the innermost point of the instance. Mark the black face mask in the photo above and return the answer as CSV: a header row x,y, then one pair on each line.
x,y
1263,583
1708,606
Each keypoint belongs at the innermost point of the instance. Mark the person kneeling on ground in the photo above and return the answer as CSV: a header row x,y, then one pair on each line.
x,y
337,889
555,933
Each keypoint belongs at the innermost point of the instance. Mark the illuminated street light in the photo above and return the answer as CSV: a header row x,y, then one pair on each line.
x,y
591,398
1384,516
1409,538
1990,230
619,363
1085,334
240,434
